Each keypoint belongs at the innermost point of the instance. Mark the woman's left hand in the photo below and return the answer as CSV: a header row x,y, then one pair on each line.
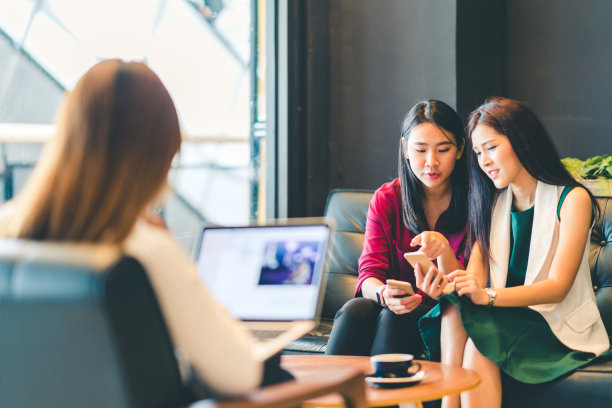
x,y
433,244
466,284
432,283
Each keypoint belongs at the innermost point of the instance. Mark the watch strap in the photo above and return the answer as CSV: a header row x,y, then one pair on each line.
x,y
492,296
379,296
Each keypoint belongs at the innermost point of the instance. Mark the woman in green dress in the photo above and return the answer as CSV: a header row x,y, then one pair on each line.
x,y
525,304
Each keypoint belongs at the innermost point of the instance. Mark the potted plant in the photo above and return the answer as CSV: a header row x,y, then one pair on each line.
x,y
595,173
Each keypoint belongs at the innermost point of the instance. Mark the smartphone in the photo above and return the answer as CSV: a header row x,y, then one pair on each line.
x,y
396,284
419,258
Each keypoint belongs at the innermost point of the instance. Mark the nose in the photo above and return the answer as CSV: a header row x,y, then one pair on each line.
x,y
432,159
485,160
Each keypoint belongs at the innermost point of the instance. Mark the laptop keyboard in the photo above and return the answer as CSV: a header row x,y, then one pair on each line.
x,y
266,334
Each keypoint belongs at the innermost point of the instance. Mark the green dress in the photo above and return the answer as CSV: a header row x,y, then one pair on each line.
x,y
517,339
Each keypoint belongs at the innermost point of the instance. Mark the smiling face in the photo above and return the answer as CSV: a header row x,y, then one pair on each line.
x,y
432,153
496,156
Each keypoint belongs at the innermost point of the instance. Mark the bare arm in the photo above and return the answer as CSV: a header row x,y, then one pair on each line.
x,y
369,287
573,234
447,261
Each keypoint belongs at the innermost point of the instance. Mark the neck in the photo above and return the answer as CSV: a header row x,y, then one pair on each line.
x,y
523,191
435,202
438,193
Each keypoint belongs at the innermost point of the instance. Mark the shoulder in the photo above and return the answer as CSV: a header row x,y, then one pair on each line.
x,y
143,232
577,202
387,194
149,243
577,196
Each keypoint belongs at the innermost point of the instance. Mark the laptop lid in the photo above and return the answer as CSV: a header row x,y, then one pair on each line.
x,y
267,272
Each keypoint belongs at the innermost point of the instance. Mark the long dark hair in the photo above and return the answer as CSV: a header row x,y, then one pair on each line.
x,y
533,147
444,117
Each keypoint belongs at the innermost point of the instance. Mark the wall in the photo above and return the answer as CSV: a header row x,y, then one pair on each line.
x,y
559,61
384,57
365,63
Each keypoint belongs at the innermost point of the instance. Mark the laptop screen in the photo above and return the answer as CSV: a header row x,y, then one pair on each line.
x,y
267,273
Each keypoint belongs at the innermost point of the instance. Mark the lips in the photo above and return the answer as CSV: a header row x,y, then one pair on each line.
x,y
433,176
493,173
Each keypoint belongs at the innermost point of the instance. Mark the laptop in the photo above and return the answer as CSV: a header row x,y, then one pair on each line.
x,y
269,276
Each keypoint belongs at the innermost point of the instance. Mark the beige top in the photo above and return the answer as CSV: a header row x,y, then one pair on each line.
x,y
575,320
216,345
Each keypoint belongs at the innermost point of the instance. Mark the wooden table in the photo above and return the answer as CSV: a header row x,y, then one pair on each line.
x,y
441,380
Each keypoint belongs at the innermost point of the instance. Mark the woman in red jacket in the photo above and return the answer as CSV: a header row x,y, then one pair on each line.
x,y
422,210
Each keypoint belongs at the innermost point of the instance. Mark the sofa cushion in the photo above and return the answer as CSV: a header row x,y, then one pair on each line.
x,y
348,208
600,260
591,385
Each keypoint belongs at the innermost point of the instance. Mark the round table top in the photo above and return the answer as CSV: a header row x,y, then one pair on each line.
x,y
440,379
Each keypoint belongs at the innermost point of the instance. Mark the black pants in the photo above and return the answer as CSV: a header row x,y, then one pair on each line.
x,y
364,328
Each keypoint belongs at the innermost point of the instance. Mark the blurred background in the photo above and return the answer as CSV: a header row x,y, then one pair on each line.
x,y
206,53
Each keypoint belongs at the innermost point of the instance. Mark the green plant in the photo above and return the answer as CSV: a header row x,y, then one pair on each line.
x,y
594,168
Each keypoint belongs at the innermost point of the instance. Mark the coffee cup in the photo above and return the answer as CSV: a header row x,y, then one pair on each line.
x,y
394,365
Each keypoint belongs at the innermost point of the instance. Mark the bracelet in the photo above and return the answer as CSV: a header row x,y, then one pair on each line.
x,y
379,296
492,296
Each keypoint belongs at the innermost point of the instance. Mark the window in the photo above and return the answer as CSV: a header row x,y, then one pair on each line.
x,y
207,54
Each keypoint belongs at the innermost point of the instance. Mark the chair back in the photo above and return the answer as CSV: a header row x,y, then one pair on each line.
x,y
80,326
600,259
348,208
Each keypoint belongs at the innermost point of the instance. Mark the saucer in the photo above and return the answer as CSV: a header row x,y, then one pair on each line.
x,y
396,382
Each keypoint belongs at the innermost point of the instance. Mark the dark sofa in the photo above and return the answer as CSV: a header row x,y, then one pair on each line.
x,y
590,386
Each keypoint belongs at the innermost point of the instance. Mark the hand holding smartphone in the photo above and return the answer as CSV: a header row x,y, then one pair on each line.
x,y
419,258
405,286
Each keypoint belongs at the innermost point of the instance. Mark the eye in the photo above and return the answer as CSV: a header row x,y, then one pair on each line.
x,y
476,153
490,148
444,150
419,150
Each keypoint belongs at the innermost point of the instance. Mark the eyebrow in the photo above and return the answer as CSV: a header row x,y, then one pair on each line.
x,y
437,144
487,142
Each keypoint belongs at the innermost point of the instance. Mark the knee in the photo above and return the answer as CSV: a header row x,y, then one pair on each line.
x,y
450,312
358,309
452,334
387,317
451,317
471,356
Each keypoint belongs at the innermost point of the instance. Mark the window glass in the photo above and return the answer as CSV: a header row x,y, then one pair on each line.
x,y
200,49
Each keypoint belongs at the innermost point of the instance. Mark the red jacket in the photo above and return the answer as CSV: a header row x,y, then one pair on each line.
x,y
387,239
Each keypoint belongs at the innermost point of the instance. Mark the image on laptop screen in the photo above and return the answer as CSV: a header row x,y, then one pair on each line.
x,y
265,272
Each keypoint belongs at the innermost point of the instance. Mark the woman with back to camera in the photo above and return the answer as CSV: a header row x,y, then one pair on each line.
x,y
538,320
106,165
423,210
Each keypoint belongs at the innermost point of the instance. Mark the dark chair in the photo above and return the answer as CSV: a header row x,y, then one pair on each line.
x,y
348,208
81,327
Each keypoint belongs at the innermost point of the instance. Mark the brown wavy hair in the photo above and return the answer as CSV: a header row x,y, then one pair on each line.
x,y
117,134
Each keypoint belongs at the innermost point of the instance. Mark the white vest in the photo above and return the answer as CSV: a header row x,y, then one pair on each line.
x,y
575,320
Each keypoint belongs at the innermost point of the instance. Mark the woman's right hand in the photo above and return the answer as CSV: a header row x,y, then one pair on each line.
x,y
400,305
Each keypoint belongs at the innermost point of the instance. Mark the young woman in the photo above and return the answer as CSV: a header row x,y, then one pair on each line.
x,y
98,176
529,228
423,210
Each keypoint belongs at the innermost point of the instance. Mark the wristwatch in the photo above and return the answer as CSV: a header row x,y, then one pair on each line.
x,y
379,295
492,295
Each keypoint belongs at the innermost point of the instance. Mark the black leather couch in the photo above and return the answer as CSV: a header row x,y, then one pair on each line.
x,y
590,386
